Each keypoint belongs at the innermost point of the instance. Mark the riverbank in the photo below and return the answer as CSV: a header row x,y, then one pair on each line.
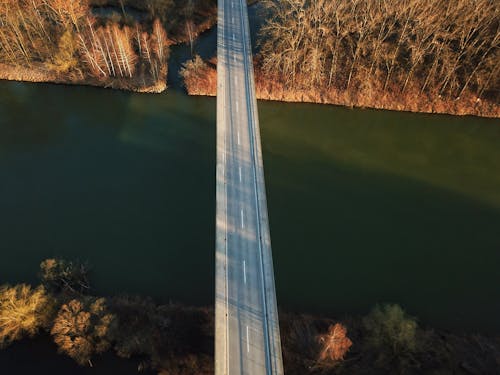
x,y
105,43
135,334
387,58
200,78
40,74
150,75
445,352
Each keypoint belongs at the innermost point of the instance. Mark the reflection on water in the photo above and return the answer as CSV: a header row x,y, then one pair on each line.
x,y
365,206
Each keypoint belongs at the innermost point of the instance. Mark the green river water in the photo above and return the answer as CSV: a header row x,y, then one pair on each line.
x,y
365,206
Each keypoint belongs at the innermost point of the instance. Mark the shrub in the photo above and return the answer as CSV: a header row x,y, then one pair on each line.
x,y
391,334
335,343
199,77
60,275
138,327
23,311
65,59
83,328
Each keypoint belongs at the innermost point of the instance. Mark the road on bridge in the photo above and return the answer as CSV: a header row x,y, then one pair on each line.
x,y
247,338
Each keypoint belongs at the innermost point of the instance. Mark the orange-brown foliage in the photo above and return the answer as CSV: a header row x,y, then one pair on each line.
x,y
199,77
445,47
64,38
82,329
108,50
335,343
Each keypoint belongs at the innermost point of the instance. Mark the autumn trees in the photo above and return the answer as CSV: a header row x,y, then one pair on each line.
x,y
114,51
23,312
80,325
179,339
443,47
82,328
176,339
28,29
66,38
335,343
59,275
167,337
200,78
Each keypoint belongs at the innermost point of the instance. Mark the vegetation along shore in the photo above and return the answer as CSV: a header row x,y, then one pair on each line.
x,y
410,55
121,44
178,339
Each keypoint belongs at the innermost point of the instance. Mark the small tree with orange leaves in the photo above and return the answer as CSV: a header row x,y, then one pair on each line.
x,y
83,328
23,312
335,343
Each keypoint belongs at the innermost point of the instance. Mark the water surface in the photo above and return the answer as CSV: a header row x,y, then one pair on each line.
x,y
365,206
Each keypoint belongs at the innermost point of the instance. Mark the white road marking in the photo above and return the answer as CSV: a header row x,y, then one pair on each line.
x,y
236,81
248,341
237,107
232,19
240,174
234,38
234,58
238,138
241,214
232,5
244,272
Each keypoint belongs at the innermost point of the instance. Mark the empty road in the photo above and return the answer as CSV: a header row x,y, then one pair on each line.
x,y
247,339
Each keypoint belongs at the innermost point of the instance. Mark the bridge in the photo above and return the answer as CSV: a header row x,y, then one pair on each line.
x,y
247,338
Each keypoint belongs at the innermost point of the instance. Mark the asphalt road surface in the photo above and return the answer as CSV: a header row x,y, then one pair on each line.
x,y
247,339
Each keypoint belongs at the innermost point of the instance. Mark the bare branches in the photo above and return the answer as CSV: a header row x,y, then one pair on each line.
x,y
64,37
83,328
335,343
23,311
109,51
448,46
29,28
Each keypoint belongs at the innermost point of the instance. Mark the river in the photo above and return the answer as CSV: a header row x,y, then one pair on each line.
x,y
365,206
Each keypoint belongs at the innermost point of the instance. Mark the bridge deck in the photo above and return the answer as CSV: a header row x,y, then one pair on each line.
x,y
247,332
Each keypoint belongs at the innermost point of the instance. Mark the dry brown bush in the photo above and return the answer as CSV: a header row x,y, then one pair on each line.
x,y
335,343
23,311
199,77
83,328
59,275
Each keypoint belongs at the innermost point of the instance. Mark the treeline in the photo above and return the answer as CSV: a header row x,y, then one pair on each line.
x,y
124,46
65,38
176,339
444,48
179,17
170,337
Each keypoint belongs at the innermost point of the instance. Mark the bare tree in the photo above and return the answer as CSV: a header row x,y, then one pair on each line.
x,y
448,46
